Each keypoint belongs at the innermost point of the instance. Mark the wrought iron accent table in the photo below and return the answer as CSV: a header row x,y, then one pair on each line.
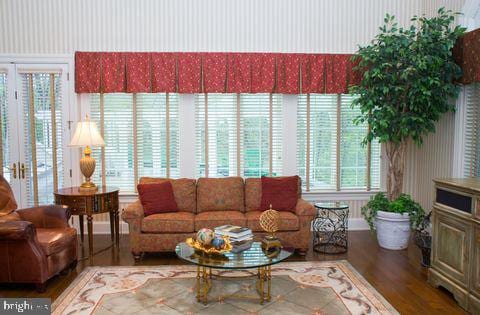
x,y
330,228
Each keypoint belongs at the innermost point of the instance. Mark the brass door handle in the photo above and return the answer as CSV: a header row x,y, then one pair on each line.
x,y
22,169
14,170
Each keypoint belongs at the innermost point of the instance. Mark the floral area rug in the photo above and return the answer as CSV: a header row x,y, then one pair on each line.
x,y
297,288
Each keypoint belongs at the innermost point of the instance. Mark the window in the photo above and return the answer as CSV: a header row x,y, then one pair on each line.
x,y
330,154
141,135
261,135
238,135
472,131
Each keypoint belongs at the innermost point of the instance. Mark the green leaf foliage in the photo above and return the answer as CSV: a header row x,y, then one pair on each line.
x,y
408,77
403,204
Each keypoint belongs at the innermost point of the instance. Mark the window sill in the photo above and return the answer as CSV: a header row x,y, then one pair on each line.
x,y
313,195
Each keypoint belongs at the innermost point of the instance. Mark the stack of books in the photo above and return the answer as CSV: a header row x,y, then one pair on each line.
x,y
241,238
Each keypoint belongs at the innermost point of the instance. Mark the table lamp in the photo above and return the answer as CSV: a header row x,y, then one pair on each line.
x,y
87,135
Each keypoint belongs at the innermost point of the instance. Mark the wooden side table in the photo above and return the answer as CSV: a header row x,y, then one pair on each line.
x,y
104,200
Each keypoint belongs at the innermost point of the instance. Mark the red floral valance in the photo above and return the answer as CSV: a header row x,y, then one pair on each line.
x,y
133,72
467,55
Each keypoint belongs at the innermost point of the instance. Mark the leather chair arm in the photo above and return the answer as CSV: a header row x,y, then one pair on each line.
x,y
134,211
51,216
17,230
304,208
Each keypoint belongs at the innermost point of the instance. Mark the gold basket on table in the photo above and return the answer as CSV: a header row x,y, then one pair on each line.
x,y
209,249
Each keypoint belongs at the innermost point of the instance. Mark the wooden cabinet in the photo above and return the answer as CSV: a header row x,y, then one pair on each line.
x,y
456,240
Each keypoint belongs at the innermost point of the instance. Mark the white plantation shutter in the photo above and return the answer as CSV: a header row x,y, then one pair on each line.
x,y
322,120
118,136
141,137
174,135
353,156
244,135
375,153
221,133
4,132
325,129
42,146
260,132
472,131
157,155
276,134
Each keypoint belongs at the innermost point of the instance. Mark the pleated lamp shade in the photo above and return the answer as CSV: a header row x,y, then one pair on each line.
x,y
86,134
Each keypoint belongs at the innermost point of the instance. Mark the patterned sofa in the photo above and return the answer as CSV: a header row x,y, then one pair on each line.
x,y
210,202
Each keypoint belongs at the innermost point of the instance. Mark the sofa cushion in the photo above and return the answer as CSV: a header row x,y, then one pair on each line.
x,y
157,198
56,239
184,190
218,194
280,193
288,221
172,222
212,219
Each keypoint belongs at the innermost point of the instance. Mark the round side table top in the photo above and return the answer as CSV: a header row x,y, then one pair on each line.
x,y
331,205
75,191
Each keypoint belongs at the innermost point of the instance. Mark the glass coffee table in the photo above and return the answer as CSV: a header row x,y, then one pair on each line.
x,y
253,258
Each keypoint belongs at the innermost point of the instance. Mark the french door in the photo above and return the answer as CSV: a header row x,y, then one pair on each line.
x,y
34,123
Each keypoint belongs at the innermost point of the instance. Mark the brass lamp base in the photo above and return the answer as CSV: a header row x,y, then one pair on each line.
x,y
87,166
88,186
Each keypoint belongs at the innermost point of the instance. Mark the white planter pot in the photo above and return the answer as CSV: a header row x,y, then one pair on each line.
x,y
393,230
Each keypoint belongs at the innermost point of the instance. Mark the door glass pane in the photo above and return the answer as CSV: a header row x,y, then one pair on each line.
x,y
41,147
4,150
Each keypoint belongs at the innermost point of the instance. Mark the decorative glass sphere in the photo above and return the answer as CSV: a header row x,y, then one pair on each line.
x,y
270,220
218,243
205,236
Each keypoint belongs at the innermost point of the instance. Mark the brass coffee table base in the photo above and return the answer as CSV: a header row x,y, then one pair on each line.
x,y
263,284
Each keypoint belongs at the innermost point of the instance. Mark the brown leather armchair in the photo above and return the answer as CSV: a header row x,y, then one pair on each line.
x,y
35,243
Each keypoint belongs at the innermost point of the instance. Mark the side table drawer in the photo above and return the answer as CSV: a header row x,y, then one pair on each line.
x,y
76,204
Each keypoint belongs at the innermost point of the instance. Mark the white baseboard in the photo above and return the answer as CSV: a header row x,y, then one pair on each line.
x,y
103,227
357,224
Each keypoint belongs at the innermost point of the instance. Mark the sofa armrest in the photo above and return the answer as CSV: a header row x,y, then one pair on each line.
x,y
304,208
133,212
16,230
51,216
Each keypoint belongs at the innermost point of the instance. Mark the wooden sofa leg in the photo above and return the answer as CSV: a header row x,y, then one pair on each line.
x,y
302,251
137,256
41,287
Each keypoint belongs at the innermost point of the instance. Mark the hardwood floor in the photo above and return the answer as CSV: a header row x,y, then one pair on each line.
x,y
397,275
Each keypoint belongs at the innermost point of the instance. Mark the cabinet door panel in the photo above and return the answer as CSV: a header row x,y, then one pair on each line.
x,y
451,246
476,260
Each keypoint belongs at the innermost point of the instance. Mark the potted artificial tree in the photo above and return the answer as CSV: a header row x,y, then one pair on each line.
x,y
408,83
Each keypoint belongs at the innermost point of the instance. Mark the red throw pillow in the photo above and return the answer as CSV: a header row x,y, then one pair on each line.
x,y
157,198
280,192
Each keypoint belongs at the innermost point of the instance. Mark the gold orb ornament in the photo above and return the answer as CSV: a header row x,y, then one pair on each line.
x,y
270,223
270,220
